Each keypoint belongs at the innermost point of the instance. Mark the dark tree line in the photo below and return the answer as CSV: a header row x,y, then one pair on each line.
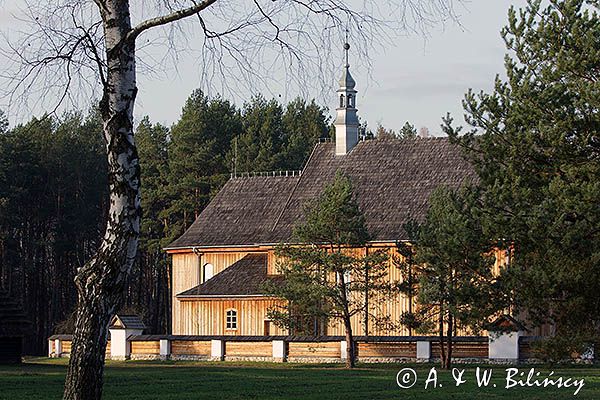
x,y
53,194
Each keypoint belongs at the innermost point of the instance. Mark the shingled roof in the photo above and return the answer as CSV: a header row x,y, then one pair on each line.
x,y
121,321
243,278
392,181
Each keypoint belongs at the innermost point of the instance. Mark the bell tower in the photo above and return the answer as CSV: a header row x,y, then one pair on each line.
x,y
346,121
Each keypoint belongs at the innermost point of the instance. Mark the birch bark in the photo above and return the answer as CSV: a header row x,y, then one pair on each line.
x,y
100,282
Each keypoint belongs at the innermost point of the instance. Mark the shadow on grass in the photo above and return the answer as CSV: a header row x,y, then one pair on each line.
x,y
42,378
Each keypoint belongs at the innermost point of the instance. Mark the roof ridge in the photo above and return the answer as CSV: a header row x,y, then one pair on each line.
x,y
266,174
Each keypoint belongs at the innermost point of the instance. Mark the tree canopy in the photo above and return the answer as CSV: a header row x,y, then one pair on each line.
x,y
536,148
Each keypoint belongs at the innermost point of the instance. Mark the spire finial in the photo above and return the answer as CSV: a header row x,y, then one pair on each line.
x,y
346,48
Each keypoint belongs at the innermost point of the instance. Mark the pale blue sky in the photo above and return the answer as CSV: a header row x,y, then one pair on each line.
x,y
418,79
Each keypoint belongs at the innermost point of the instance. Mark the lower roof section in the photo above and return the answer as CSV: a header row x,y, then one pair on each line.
x,y
244,278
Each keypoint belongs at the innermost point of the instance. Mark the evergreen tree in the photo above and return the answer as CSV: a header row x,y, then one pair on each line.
x,y
303,125
325,274
382,133
538,159
197,167
51,213
451,261
152,296
259,146
408,131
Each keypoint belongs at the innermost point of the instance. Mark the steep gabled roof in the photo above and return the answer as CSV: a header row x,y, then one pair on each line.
x,y
242,213
392,182
243,278
120,321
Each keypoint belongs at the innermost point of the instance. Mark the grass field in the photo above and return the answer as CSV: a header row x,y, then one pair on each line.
x,y
43,379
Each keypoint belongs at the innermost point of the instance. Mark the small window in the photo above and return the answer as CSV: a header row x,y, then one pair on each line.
x,y
207,272
350,101
341,101
346,275
231,320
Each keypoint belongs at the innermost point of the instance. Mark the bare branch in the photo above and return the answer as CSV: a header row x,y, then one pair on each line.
x,y
166,19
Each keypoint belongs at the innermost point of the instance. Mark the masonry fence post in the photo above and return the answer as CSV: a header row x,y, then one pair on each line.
x,y
165,349
58,347
121,328
503,339
217,350
423,350
344,350
279,353
50,344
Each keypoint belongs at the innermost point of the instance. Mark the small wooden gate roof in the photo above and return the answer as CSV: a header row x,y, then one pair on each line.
x,y
126,322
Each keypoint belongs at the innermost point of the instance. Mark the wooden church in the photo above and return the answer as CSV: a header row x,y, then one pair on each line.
x,y
221,262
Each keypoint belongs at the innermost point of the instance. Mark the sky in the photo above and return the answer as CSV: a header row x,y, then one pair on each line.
x,y
418,79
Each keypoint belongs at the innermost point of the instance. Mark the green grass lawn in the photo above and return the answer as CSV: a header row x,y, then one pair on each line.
x,y
42,378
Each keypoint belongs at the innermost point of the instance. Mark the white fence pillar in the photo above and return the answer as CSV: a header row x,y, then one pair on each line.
x,y
50,344
504,346
279,353
58,347
344,350
423,350
120,348
217,350
165,348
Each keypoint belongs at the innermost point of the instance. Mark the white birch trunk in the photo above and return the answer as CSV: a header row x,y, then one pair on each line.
x,y
101,282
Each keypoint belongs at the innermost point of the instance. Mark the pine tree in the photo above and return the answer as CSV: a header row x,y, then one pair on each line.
x,y
303,125
325,273
538,158
451,258
258,148
197,163
408,131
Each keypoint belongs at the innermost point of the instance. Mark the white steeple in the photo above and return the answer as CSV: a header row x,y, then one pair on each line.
x,y
346,121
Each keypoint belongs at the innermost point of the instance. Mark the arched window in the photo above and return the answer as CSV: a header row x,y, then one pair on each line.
x,y
341,100
350,100
207,272
231,319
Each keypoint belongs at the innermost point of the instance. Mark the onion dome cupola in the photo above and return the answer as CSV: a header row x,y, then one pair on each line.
x,y
346,121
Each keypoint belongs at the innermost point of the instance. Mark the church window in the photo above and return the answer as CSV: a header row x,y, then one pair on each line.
x,y
231,319
350,100
207,272
341,100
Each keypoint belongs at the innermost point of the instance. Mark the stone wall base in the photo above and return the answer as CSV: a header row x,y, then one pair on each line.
x,y
148,357
317,360
249,358
186,357
387,359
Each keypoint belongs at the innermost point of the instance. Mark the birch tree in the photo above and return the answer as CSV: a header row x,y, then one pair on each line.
x,y
73,50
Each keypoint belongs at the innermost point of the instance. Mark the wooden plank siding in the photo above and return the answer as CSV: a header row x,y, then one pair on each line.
x,y
249,349
207,316
314,349
388,349
145,347
66,346
190,348
463,349
186,275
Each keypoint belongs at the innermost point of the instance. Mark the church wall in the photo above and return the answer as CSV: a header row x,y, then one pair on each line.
x,y
185,275
208,316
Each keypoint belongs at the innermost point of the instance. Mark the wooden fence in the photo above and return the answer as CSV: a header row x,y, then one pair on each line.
x,y
289,348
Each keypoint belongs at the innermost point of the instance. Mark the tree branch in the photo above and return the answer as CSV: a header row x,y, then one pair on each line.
x,y
165,19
